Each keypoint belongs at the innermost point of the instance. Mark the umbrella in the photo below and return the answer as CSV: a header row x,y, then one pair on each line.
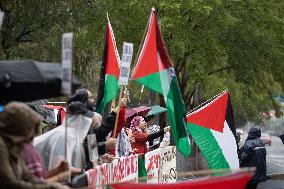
x,y
30,80
138,111
155,110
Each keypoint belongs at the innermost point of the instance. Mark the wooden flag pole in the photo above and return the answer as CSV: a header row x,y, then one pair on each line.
x,y
117,114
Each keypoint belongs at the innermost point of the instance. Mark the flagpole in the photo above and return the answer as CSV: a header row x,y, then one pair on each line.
x,y
117,113
107,16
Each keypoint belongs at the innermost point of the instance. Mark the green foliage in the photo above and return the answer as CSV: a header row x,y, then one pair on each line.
x,y
215,45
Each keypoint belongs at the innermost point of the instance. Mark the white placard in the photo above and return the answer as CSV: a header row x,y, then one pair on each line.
x,y
1,18
168,173
67,54
125,63
125,169
152,165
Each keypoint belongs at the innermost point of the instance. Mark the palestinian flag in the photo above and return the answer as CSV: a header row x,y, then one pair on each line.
x,y
108,84
232,181
212,128
155,71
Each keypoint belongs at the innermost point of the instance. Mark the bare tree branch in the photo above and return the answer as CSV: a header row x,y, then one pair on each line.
x,y
220,69
26,32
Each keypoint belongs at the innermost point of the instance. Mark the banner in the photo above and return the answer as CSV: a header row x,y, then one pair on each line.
x,y
93,177
105,173
168,172
125,169
160,165
152,165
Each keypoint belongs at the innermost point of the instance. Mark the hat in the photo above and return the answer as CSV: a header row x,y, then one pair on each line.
x,y
18,121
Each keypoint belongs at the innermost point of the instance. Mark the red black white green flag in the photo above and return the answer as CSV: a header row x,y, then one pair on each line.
x,y
212,128
108,84
154,70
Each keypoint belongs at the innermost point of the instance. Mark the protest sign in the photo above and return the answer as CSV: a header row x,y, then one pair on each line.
x,y
152,165
168,173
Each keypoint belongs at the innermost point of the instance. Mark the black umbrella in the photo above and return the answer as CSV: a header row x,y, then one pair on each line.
x,y
30,80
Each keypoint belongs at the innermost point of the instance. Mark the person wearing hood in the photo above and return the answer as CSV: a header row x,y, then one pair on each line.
x,y
51,145
18,125
253,154
104,128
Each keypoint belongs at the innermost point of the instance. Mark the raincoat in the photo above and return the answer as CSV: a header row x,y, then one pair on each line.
x,y
51,145
253,154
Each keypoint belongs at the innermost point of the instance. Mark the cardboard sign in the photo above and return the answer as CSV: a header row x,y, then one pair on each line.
x,y
168,173
152,165
1,18
125,63
67,54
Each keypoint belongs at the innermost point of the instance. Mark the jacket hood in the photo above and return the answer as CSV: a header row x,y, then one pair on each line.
x,y
81,95
18,122
79,108
254,133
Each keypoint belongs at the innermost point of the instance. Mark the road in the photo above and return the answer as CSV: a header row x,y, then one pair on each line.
x,y
275,164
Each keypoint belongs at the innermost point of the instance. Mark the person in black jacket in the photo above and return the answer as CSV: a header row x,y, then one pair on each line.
x,y
253,154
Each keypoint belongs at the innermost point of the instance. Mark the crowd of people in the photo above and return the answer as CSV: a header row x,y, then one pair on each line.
x,y
34,160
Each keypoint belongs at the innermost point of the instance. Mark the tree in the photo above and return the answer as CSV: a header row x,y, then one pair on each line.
x,y
215,45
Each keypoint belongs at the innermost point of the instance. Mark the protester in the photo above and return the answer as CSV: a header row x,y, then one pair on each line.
x,y
85,96
101,132
35,166
123,145
51,145
18,125
139,130
159,142
253,154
